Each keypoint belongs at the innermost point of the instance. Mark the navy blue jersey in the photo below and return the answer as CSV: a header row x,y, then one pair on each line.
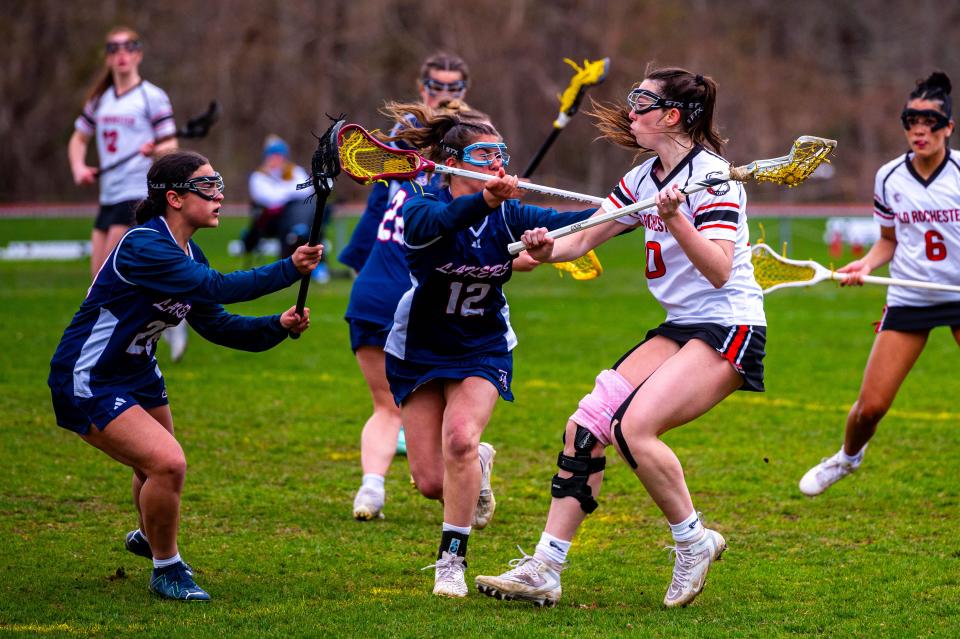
x,y
385,276
148,284
458,259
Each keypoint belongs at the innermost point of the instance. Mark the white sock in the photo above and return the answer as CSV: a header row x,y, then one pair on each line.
x,y
163,563
463,530
373,480
852,459
688,529
552,548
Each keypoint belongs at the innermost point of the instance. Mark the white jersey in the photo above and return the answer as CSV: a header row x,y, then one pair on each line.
x,y
270,190
718,213
926,217
121,125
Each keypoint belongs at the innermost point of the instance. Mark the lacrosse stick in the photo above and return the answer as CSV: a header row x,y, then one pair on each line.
x,y
323,168
807,153
585,267
367,160
196,127
774,271
591,74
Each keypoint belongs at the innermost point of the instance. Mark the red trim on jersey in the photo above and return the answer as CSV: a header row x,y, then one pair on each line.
x,y
717,226
626,191
616,202
732,205
731,353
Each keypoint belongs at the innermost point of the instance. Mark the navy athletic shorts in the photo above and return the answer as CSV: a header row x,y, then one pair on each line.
x,y
405,377
367,333
77,413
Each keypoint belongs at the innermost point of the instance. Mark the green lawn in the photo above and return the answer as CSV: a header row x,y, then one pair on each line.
x,y
272,445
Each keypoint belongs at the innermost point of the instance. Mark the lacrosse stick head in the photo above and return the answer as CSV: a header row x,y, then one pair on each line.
x,y
585,267
808,152
773,271
199,126
366,159
591,74
325,164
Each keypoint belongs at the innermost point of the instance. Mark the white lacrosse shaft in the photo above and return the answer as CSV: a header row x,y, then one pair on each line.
x,y
527,186
895,281
516,247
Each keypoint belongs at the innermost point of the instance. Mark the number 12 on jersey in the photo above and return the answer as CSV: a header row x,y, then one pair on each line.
x,y
472,295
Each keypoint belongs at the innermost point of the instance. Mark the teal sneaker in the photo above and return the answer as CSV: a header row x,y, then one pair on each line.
x,y
138,544
176,582
401,443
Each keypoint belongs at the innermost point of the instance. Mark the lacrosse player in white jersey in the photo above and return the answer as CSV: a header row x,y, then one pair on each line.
x,y
711,344
132,121
917,204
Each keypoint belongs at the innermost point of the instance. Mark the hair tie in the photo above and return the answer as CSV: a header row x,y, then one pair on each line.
x,y
698,79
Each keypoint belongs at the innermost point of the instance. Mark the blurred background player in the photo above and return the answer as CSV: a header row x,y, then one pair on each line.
x,y
449,351
711,344
277,209
126,114
104,373
913,196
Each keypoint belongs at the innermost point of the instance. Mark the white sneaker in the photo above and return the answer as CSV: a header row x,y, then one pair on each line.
x,y
486,503
368,504
176,336
529,579
692,561
448,580
829,471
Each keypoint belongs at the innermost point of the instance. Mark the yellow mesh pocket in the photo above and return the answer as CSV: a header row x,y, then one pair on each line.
x,y
586,267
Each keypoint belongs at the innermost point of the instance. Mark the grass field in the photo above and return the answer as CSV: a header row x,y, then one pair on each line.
x,y
272,446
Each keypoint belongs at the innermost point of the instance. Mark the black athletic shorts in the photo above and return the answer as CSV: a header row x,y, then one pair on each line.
x,y
920,318
119,213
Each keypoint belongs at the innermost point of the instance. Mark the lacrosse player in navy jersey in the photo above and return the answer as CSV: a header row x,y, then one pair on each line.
x,y
917,204
711,344
373,301
449,349
104,378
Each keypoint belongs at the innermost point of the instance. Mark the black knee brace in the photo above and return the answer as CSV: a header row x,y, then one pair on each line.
x,y
618,431
582,465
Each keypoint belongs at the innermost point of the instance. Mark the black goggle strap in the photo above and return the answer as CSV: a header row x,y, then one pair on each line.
x,y
693,109
193,185
941,120
456,153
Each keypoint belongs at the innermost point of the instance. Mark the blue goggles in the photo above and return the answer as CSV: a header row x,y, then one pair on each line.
x,y
206,186
435,87
481,153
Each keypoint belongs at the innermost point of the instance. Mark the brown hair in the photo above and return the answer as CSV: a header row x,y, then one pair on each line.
x,y
452,126
613,120
442,61
172,168
104,78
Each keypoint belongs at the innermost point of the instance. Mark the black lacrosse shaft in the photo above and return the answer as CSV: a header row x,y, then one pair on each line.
x,y
322,194
535,162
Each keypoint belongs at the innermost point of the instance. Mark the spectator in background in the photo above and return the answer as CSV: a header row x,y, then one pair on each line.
x,y
278,209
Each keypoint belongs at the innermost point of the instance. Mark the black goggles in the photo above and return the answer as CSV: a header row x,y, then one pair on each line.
x,y
434,87
642,101
129,45
206,186
924,117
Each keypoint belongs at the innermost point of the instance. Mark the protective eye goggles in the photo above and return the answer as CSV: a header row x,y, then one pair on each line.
x,y
206,186
435,87
481,153
924,117
642,101
129,46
